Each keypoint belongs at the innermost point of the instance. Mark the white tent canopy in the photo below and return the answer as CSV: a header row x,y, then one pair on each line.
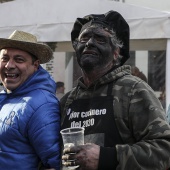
x,y
52,21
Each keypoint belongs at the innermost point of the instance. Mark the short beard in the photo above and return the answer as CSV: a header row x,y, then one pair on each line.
x,y
89,65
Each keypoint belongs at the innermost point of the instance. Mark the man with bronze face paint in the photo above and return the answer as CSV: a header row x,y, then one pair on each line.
x,y
125,125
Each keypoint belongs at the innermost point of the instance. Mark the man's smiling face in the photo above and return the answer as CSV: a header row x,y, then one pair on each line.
x,y
16,66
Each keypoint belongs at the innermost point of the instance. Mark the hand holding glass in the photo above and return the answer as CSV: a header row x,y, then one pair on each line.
x,y
72,137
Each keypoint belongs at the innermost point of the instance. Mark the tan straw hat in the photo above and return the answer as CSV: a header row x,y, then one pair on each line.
x,y
27,42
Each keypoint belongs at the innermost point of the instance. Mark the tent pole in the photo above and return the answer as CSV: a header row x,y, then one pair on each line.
x,y
168,74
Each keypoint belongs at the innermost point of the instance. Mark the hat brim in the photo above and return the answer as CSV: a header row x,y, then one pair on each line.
x,y
42,51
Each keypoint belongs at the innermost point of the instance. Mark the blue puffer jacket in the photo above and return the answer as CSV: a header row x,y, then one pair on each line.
x,y
30,125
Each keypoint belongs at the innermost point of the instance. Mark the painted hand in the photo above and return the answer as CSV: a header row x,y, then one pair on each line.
x,y
86,156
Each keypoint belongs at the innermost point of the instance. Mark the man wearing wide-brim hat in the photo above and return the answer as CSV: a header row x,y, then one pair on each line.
x,y
29,110
125,125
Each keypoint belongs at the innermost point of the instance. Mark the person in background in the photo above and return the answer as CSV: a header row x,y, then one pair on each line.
x,y
29,109
168,114
136,72
1,86
125,124
162,97
60,89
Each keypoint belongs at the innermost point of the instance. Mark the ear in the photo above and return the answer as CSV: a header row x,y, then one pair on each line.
x,y
75,42
116,53
36,64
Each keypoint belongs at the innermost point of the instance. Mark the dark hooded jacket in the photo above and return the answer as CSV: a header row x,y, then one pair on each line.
x,y
144,133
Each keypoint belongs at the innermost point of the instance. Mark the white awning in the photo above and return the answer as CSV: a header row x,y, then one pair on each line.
x,y
52,20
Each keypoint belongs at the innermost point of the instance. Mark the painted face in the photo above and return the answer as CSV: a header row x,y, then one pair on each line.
x,y
94,48
16,66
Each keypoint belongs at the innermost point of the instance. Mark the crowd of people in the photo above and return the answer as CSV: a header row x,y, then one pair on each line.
x,y
125,124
